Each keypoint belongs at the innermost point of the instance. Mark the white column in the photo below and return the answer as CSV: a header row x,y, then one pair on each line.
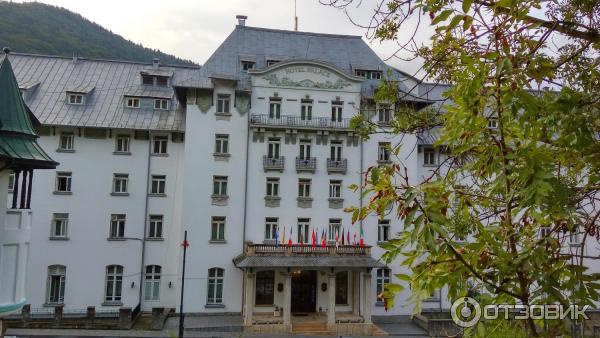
x,y
287,299
331,306
249,298
355,293
368,303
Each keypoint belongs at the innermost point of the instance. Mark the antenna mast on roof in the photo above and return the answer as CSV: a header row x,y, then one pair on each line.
x,y
295,17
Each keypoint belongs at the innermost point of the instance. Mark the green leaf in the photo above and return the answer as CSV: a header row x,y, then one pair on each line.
x,y
442,16
466,5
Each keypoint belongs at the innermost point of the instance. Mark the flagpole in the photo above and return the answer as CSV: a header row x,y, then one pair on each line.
x,y
185,244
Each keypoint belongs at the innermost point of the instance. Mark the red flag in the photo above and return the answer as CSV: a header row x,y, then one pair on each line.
x,y
343,237
362,235
348,238
290,239
354,239
323,239
314,238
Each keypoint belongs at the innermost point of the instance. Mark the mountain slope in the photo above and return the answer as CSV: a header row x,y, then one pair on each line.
x,y
43,29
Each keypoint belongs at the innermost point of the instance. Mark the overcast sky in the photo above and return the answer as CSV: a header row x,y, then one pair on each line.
x,y
193,29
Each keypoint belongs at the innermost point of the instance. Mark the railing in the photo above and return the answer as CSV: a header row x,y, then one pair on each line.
x,y
297,249
273,163
337,166
297,121
306,164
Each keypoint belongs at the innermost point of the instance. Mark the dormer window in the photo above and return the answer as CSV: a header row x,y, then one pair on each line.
x,y
132,102
369,74
360,73
161,104
75,98
247,65
271,62
162,81
376,75
148,80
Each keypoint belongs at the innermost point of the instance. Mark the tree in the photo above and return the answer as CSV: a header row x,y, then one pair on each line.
x,y
519,128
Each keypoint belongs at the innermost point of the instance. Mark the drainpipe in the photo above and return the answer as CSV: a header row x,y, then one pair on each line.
x,y
245,202
142,263
360,220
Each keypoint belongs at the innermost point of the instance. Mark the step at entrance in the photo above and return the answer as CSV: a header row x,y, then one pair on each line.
x,y
308,328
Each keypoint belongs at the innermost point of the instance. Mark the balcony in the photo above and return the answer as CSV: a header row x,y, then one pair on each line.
x,y
337,166
308,164
273,163
307,250
287,121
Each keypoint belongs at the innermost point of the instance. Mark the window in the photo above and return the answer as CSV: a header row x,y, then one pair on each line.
x,y
221,144
336,151
265,287
383,278
117,226
161,104
162,81
215,286
383,151
341,288
158,184
304,187
60,221
220,185
147,80
384,113
428,156
271,62
306,110
63,181
55,285
275,108
66,141
271,224
114,283
383,234
223,101
120,183
273,148
132,102
376,75
304,149
334,227
360,73
11,181
160,145
574,239
155,229
122,144
152,282
303,230
336,112
75,99
493,123
217,231
247,65
545,232
272,186
335,189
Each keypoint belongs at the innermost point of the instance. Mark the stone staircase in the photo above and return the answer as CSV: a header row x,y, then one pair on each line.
x,y
310,328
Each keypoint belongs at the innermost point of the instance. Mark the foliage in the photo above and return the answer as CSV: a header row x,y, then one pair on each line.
x,y
520,136
37,28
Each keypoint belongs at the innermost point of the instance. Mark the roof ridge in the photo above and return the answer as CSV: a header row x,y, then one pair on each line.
x,y
102,60
299,32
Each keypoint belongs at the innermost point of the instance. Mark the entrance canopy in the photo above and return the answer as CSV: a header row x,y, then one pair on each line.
x,y
306,256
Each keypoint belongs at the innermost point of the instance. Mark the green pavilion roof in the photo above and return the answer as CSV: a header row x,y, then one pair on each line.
x,y
18,140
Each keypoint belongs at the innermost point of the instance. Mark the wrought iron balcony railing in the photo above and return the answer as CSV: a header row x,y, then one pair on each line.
x,y
306,164
337,165
297,121
273,163
297,249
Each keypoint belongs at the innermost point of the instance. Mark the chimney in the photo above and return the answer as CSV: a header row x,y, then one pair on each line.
x,y
241,20
155,63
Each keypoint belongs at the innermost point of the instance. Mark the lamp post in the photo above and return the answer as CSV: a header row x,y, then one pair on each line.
x,y
185,245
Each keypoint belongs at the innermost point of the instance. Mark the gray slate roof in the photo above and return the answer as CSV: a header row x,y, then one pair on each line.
x,y
307,261
106,83
346,52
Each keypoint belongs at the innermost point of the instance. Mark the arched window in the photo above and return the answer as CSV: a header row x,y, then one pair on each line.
x,y
114,283
152,282
215,286
265,287
55,286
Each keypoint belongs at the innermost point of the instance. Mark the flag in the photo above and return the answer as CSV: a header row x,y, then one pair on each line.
x,y
337,238
362,236
343,237
323,239
355,238
348,238
277,236
291,235
283,237
301,232
314,238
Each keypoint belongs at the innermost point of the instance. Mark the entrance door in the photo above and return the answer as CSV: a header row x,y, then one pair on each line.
x,y
304,292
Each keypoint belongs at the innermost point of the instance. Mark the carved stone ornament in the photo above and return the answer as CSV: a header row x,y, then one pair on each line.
x,y
242,103
287,82
204,101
